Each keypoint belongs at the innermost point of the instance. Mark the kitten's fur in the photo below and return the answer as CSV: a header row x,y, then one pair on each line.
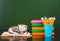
x,y
18,30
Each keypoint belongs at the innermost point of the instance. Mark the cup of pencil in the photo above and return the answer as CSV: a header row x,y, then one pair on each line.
x,y
48,25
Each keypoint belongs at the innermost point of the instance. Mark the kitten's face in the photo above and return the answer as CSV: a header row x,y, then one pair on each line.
x,y
22,27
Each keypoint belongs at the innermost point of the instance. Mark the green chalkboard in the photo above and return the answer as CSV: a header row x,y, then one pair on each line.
x,y
14,12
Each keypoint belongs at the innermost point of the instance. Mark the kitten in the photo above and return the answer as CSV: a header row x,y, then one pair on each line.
x,y
20,29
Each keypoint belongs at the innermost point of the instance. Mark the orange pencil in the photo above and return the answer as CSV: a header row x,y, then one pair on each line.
x,y
51,21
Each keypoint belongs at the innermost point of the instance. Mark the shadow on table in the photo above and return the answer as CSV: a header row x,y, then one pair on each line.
x,y
33,38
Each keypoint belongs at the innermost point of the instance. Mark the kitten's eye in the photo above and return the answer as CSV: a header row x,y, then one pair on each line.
x,y
25,26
